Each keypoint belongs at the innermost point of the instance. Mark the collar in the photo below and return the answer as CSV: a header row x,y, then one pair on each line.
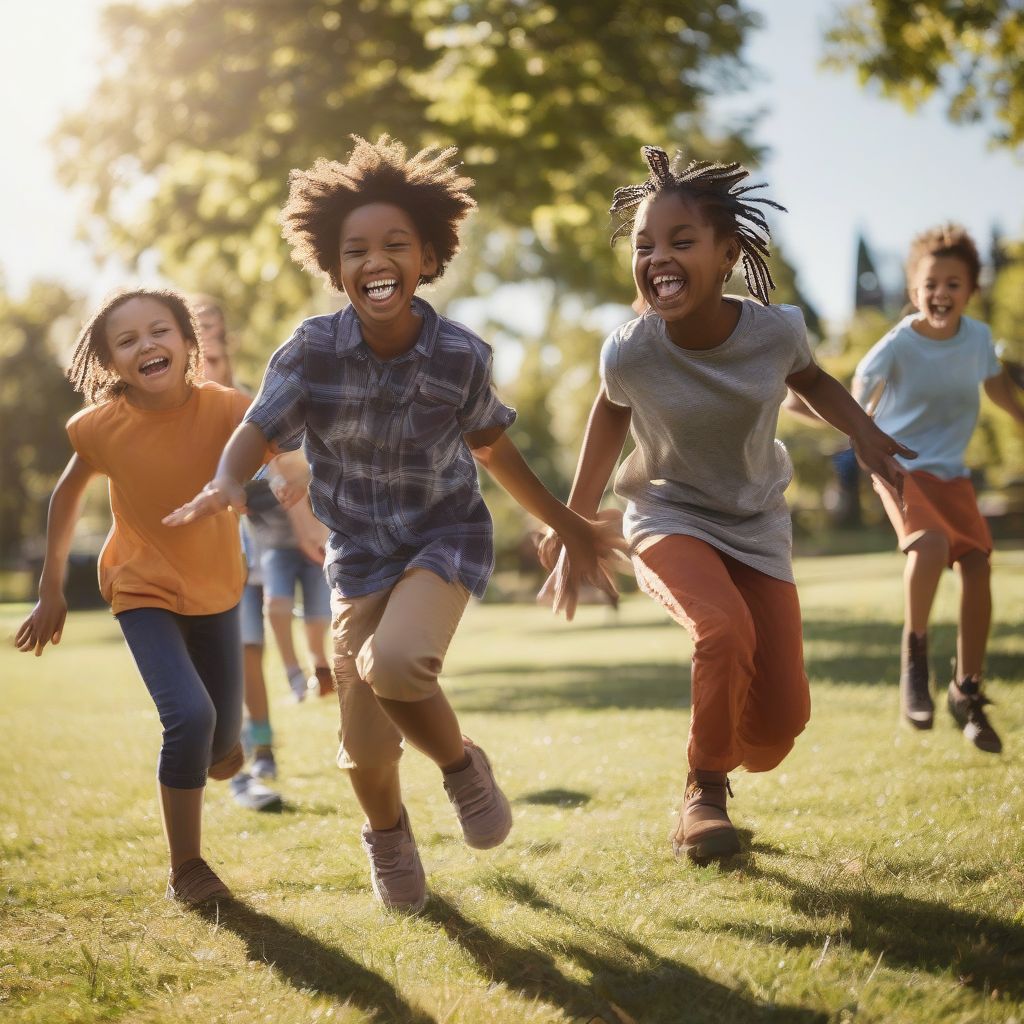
x,y
349,333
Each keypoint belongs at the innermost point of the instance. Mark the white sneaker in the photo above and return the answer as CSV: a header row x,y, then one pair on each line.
x,y
251,794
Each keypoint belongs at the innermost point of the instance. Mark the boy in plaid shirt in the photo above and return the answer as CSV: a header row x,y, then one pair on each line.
x,y
393,403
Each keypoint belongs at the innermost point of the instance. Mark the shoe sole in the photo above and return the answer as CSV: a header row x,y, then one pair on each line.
x,y
713,846
918,726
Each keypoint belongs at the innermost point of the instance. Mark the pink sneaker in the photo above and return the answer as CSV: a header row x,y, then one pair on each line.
x,y
396,873
483,810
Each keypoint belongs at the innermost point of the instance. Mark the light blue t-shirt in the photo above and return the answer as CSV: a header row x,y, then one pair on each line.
x,y
930,399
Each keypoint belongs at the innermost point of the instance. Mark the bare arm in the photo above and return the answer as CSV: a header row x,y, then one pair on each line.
x,y
310,533
606,432
1003,393
834,404
45,624
241,457
586,543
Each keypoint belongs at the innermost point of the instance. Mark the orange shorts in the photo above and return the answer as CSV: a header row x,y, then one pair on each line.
x,y
948,507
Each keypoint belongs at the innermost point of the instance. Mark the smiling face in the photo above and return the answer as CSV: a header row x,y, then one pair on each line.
x,y
382,260
147,350
679,264
940,288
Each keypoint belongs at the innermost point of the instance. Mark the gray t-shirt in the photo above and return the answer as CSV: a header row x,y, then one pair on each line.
x,y
707,463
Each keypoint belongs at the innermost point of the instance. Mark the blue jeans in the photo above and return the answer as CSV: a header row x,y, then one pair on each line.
x,y
283,568
192,667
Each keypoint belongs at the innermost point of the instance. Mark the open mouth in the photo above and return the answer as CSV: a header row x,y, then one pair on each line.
x,y
151,367
939,310
667,286
381,291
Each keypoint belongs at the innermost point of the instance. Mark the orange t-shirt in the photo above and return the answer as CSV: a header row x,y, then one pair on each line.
x,y
155,462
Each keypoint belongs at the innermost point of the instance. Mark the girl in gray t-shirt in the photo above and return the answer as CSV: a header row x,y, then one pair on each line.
x,y
698,379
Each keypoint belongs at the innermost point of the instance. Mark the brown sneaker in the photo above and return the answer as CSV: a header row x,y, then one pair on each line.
x,y
966,704
195,882
704,831
916,703
322,681
396,873
229,765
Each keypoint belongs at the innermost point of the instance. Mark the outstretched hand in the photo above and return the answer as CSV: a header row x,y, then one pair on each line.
x,y
875,450
44,625
587,557
216,496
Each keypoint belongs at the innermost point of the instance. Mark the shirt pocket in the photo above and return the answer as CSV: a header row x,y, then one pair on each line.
x,y
433,411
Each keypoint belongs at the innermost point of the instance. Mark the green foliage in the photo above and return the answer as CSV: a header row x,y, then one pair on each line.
x,y
35,403
970,52
883,883
185,146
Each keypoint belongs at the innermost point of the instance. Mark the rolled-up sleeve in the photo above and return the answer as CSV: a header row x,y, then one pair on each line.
x,y
483,409
279,410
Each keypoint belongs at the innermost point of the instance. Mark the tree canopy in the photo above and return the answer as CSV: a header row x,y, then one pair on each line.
x,y
970,52
186,144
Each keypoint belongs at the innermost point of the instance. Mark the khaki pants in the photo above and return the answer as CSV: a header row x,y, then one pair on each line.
x,y
750,693
389,644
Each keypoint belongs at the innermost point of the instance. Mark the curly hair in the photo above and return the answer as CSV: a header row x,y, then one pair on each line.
x,y
945,240
716,189
427,186
90,371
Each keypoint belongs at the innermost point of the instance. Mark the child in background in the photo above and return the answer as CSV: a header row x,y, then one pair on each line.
x,y
393,402
287,544
248,788
921,380
155,429
698,378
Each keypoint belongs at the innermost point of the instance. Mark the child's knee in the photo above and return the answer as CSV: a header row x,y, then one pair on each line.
x,y
931,547
726,627
395,672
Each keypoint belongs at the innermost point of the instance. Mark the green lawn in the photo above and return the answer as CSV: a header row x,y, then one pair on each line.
x,y
884,881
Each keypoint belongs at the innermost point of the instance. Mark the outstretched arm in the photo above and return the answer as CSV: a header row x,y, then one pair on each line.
x,y
587,543
45,624
834,404
242,456
1002,390
606,432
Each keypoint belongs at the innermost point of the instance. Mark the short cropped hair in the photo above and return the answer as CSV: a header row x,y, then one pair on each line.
x,y
944,240
90,371
427,186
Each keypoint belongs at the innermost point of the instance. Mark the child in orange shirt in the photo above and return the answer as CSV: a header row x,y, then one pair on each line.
x,y
155,429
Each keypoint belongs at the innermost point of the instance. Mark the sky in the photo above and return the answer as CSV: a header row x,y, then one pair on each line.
x,y
842,160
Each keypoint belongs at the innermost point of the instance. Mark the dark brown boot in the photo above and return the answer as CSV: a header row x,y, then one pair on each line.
x,y
967,703
915,697
704,831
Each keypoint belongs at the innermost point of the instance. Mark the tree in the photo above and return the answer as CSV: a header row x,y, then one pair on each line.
x,y
968,51
185,146
35,403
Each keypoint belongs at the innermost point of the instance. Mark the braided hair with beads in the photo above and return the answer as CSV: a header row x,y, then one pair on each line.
x,y
727,204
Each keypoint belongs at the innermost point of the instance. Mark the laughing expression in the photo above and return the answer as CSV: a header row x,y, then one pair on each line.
x,y
382,261
941,289
148,352
678,262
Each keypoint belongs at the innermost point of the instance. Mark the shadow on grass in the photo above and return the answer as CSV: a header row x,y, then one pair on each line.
x,y
555,798
860,652
648,986
306,963
982,951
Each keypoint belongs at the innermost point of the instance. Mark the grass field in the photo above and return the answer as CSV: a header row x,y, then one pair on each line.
x,y
884,879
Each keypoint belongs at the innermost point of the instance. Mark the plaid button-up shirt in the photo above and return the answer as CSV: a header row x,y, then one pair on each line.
x,y
392,476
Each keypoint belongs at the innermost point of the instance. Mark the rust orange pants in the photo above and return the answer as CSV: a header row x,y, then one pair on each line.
x,y
750,694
